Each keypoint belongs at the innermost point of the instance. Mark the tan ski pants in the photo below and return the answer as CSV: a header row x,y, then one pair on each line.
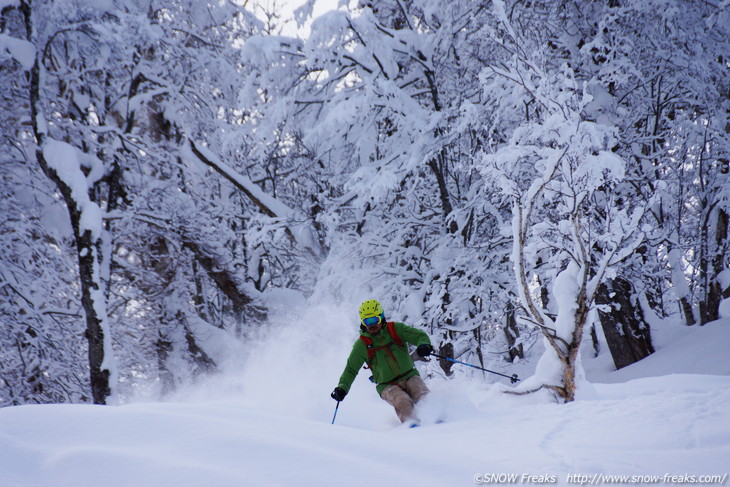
x,y
404,396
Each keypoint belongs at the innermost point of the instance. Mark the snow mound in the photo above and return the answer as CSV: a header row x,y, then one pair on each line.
x,y
680,350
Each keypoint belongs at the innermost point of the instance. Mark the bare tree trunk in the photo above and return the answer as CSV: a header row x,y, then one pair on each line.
x,y
163,348
202,360
446,350
88,247
99,375
710,307
627,335
567,391
89,255
224,279
596,343
512,334
438,167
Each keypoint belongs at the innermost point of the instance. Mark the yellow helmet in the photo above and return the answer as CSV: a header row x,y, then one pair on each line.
x,y
370,308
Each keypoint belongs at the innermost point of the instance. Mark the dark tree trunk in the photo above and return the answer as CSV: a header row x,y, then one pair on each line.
x,y
438,167
627,335
163,347
224,279
202,360
88,249
512,333
100,386
446,350
686,307
710,308
594,339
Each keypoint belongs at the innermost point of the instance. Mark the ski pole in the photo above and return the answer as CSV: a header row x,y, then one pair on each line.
x,y
336,408
513,378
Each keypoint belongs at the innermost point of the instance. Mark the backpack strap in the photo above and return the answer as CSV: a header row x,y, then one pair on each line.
x,y
369,342
394,334
369,345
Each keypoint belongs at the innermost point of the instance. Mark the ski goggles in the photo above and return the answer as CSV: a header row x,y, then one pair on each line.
x,y
372,321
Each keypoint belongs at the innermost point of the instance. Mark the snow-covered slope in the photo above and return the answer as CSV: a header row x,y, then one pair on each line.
x,y
675,425
681,350
278,433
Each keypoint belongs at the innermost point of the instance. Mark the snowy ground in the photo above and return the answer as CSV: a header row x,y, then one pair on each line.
x,y
663,421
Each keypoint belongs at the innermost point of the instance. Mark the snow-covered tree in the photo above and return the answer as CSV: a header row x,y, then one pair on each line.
x,y
492,171
558,169
111,90
663,82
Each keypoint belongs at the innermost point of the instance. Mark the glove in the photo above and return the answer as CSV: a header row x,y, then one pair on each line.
x,y
338,394
424,350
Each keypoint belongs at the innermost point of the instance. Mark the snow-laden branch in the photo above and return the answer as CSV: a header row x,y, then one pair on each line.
x,y
18,49
268,205
63,162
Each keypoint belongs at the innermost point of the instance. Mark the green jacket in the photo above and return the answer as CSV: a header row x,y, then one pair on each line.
x,y
388,363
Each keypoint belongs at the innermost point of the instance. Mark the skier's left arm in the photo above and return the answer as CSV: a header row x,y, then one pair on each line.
x,y
416,337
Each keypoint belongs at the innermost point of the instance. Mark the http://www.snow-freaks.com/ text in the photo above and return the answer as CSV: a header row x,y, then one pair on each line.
x,y
598,479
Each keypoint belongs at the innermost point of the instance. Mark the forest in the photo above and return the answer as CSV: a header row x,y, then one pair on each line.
x,y
497,172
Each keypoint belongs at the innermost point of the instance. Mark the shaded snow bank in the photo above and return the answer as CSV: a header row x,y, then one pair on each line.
x,y
680,350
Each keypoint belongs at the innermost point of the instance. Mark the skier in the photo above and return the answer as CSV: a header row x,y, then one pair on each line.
x,y
383,346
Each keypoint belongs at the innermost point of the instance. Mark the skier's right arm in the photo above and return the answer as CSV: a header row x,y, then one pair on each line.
x,y
355,361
